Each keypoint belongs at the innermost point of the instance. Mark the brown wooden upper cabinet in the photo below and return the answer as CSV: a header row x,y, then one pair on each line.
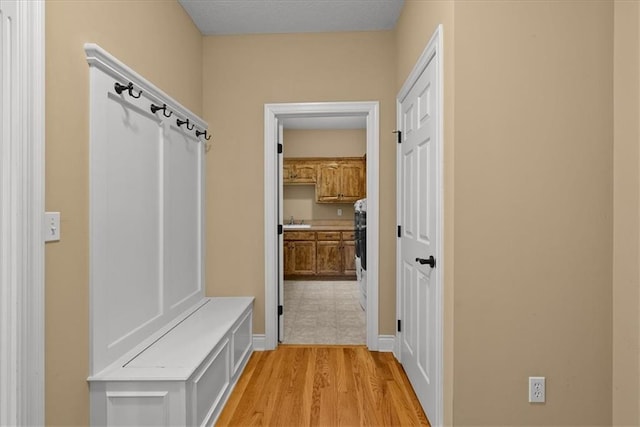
x,y
341,181
337,179
299,171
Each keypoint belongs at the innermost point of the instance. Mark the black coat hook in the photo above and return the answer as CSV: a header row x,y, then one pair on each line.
x,y
121,88
182,122
155,108
198,133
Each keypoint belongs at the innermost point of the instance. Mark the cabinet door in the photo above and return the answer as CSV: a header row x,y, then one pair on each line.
x,y
303,257
304,173
287,172
349,257
288,257
328,185
329,258
296,171
352,175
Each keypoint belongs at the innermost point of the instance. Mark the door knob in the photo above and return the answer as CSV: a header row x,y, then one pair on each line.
x,y
431,261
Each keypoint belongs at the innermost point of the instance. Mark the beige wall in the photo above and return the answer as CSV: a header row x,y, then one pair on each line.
x,y
532,101
159,41
324,143
241,74
533,211
300,200
626,215
417,23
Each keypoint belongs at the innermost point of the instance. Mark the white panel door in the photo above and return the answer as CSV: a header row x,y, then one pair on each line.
x,y
419,221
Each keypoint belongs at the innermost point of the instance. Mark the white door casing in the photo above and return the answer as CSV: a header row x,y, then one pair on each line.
x,y
419,294
280,140
21,212
273,112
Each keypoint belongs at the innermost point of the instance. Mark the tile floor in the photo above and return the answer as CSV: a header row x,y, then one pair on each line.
x,y
323,312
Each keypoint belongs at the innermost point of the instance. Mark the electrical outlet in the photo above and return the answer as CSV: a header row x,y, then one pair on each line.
x,y
339,212
537,393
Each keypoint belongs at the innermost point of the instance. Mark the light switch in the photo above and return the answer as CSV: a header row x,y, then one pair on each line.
x,y
51,226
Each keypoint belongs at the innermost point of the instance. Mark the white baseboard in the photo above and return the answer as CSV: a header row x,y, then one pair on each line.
x,y
258,342
386,343
396,348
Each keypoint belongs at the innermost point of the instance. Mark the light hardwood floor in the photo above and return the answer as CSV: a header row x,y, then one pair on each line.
x,y
322,386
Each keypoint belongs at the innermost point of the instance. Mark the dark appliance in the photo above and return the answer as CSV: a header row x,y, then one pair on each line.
x,y
361,231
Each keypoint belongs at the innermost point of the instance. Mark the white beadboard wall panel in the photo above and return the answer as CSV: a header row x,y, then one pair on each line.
x,y
182,222
145,211
132,218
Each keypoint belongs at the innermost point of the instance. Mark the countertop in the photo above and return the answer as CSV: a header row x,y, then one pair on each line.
x,y
327,225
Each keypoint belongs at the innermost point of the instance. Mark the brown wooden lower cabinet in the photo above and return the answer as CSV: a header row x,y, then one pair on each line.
x,y
300,258
349,257
319,254
329,258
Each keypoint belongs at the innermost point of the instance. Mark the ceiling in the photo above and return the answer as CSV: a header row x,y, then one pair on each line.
x,y
214,17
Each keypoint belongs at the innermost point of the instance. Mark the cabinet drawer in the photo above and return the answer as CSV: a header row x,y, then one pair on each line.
x,y
299,235
348,235
328,235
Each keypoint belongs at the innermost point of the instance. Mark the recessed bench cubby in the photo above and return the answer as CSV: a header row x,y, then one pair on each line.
x,y
161,353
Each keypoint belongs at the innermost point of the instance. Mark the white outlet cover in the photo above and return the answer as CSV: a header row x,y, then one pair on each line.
x,y
537,390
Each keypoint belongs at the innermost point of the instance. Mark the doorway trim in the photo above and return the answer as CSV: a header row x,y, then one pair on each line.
x,y
21,213
272,113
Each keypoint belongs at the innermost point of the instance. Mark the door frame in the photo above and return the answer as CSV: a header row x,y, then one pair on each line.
x,y
272,113
22,340
433,51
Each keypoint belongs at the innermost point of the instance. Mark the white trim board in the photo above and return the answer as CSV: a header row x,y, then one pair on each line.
x,y
100,58
434,50
274,112
21,213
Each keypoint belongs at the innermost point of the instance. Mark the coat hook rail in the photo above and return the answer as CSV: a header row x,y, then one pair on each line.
x,y
121,88
155,108
182,122
198,133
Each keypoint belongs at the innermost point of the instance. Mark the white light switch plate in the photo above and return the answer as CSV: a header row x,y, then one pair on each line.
x,y
51,226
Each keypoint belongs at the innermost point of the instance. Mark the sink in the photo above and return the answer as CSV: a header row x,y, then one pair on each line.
x,y
296,226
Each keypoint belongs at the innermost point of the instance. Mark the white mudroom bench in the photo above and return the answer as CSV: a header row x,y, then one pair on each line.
x,y
182,375
161,353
